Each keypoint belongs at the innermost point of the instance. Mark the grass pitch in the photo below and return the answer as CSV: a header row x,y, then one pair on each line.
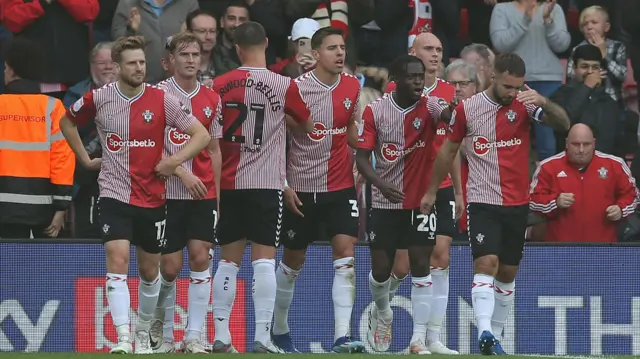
x,y
12,355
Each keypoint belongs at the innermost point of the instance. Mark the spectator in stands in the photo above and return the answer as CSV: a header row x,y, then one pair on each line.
x,y
102,23
156,20
204,26
595,25
225,57
85,198
585,99
629,11
537,31
60,28
482,56
165,60
464,77
271,15
583,193
301,59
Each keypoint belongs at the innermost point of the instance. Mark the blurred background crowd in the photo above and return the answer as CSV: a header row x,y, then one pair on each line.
x,y
595,84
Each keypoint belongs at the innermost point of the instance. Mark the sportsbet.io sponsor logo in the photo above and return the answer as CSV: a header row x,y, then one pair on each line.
x,y
320,131
115,143
482,146
178,138
391,152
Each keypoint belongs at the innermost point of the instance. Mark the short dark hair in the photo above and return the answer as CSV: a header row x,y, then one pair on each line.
x,y
399,65
250,34
511,63
587,52
235,3
194,14
126,43
26,58
318,37
181,39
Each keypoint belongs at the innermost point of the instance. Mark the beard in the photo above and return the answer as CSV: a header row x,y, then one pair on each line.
x,y
130,81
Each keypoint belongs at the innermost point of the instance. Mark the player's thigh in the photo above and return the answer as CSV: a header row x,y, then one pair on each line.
x,y
149,228
176,226
235,216
267,211
514,225
485,229
340,213
298,232
445,212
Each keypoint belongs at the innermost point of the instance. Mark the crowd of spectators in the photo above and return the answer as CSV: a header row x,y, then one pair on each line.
x,y
580,53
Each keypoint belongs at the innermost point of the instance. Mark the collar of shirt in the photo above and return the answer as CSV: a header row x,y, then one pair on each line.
x,y
157,9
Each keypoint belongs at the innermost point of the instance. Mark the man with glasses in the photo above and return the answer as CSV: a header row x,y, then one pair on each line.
x,y
203,24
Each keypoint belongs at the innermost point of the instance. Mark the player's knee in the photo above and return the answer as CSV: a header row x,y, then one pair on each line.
x,y
486,264
199,257
170,265
381,274
419,263
400,269
294,259
506,273
440,258
148,273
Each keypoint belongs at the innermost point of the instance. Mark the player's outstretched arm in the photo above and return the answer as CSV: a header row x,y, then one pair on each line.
x,y
70,133
443,164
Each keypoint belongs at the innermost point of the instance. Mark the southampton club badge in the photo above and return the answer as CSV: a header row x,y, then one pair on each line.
x,y
347,104
511,116
147,116
416,123
602,172
208,112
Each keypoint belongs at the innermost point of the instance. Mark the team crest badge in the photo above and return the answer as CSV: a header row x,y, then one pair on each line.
x,y
442,102
147,116
347,103
416,123
511,116
208,112
603,172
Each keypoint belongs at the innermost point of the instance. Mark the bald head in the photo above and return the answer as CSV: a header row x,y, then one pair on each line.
x,y
428,48
581,144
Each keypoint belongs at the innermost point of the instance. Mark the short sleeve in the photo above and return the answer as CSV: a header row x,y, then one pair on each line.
x,y
367,137
534,112
294,105
458,124
82,111
176,114
436,106
216,125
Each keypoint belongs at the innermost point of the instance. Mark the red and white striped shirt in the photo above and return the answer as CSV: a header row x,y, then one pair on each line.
x,y
131,132
254,104
321,161
497,142
401,139
205,105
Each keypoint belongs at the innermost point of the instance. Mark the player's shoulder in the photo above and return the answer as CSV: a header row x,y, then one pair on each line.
x,y
304,78
207,91
380,103
164,84
349,78
155,90
444,83
235,74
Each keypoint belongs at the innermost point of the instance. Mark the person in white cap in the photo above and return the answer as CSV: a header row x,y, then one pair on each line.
x,y
302,60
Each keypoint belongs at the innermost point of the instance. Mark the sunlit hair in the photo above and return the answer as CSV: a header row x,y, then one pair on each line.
x,y
126,43
179,41
592,10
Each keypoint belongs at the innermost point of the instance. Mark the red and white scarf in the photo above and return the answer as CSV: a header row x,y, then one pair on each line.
x,y
422,18
335,15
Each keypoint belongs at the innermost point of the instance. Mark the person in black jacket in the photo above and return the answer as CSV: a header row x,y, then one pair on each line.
x,y
585,100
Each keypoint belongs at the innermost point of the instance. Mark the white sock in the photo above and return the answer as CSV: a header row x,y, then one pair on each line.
x,y
504,294
394,284
199,296
264,297
224,294
343,293
147,300
169,314
439,302
421,296
166,288
285,280
483,301
119,300
380,295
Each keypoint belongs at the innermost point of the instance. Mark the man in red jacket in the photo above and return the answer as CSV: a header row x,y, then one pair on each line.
x,y
583,193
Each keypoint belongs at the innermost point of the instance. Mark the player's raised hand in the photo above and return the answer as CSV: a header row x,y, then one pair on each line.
x,y
196,188
614,213
292,201
392,193
565,200
531,97
427,202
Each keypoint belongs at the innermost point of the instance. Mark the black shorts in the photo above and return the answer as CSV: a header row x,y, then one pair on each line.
x,y
189,219
142,227
331,213
400,228
497,230
445,212
254,214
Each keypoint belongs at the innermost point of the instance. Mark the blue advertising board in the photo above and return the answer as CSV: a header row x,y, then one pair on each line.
x,y
569,300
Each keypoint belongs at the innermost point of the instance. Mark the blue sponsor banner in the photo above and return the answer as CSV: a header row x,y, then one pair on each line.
x,y
569,300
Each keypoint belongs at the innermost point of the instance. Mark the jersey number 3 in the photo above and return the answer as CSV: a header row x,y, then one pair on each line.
x,y
243,115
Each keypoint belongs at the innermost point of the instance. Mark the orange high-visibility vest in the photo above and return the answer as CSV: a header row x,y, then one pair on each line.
x,y
36,162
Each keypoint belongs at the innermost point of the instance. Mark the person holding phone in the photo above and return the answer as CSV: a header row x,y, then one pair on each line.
x,y
301,60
